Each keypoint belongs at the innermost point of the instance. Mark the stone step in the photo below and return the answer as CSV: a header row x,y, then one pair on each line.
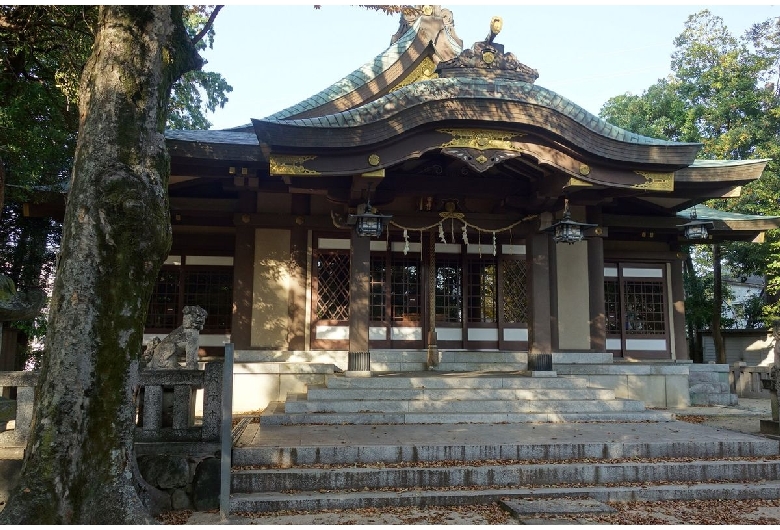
x,y
706,377
315,393
589,473
704,399
296,403
483,380
486,357
709,388
275,415
317,501
283,446
478,367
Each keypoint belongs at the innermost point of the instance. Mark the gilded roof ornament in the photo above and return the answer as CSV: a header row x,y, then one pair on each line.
x,y
496,23
488,59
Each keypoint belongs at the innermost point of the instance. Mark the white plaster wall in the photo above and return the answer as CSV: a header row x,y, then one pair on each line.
x,y
272,283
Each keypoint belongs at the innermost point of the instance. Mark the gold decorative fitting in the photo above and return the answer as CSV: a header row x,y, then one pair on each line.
x,y
299,220
231,171
488,57
244,171
245,218
424,71
373,159
452,215
377,173
655,181
584,169
598,231
427,10
480,139
496,23
481,159
291,165
575,182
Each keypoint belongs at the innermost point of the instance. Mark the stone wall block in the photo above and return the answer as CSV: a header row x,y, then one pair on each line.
x,y
180,500
165,472
206,485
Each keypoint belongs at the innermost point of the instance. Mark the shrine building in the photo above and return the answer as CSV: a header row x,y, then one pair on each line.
x,y
439,202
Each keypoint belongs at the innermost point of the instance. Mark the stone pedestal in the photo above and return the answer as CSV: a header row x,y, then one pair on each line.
x,y
771,426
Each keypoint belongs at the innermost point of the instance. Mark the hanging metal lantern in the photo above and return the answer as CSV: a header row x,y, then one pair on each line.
x,y
368,223
566,230
696,229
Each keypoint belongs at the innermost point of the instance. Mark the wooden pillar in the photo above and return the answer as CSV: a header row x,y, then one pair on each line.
x,y
243,274
598,321
296,335
359,270
540,339
433,350
678,311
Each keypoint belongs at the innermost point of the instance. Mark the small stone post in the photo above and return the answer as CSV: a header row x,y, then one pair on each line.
x,y
773,426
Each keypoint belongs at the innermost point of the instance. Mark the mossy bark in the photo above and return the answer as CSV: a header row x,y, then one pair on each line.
x,y
79,465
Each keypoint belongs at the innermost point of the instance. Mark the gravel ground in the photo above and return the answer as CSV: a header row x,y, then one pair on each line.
x,y
634,513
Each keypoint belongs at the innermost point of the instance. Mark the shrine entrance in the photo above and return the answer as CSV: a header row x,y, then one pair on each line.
x,y
480,300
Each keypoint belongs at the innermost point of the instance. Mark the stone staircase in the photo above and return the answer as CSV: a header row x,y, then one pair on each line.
x,y
373,467
447,398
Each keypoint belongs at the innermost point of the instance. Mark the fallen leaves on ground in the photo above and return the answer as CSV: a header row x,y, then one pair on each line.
x,y
699,512
692,419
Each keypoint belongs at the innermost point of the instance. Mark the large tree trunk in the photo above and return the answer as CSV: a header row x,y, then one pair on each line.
x,y
79,463
717,303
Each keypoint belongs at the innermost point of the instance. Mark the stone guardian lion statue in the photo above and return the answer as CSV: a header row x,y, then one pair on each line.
x,y
164,354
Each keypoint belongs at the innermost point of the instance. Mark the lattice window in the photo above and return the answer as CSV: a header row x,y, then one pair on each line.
x,y
644,307
164,311
405,289
515,291
612,305
211,289
332,286
377,299
449,291
482,296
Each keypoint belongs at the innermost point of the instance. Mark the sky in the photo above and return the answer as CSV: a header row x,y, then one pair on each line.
x,y
276,56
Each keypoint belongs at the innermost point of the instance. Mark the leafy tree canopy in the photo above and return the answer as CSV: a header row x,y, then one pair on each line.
x,y
43,51
722,92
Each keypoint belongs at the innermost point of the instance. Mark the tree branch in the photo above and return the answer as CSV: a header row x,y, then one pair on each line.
x,y
207,27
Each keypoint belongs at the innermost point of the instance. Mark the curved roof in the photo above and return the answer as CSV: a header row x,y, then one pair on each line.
x,y
388,66
498,102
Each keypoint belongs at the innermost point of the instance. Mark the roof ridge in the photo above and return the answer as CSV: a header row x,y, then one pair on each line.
x,y
357,78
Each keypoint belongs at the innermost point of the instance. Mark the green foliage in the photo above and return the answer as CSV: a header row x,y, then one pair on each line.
x,y
187,108
722,93
43,51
